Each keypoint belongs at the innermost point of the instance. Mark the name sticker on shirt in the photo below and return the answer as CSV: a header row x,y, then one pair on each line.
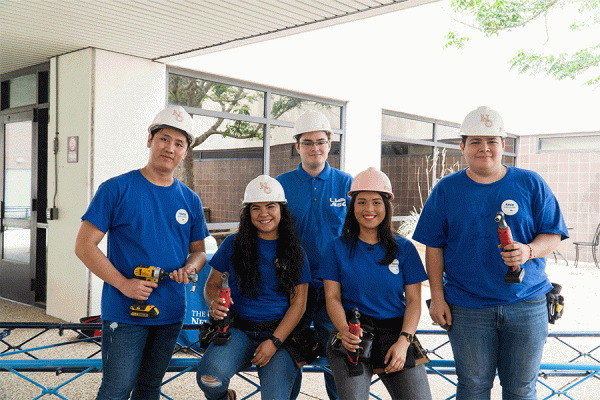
x,y
510,207
182,216
337,202
394,267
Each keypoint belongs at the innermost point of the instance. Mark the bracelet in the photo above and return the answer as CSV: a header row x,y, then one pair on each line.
x,y
531,252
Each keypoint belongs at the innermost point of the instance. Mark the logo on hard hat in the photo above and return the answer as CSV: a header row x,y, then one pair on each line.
x,y
265,188
178,115
485,118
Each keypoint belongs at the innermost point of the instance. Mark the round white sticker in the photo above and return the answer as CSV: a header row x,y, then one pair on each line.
x,y
510,207
394,268
182,216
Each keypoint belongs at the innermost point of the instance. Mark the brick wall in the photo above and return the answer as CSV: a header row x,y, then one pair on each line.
x,y
575,180
221,182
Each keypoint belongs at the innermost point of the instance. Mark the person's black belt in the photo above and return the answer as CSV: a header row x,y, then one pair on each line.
x,y
256,326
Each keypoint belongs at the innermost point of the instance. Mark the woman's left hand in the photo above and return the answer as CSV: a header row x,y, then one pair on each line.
x,y
263,353
396,356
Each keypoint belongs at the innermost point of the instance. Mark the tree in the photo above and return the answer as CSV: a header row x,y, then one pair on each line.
x,y
193,92
494,16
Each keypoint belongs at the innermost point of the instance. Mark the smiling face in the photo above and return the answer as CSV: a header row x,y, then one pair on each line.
x,y
265,216
483,154
167,147
369,210
313,148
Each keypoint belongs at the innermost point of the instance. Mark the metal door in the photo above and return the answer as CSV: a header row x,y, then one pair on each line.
x,y
18,206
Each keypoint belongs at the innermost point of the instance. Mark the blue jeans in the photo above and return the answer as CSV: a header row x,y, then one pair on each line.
x,y
409,384
507,338
316,312
222,362
132,351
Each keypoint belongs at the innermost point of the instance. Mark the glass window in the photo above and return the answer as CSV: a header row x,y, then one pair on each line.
x,y
214,96
229,157
22,91
17,170
570,143
287,108
447,134
400,127
17,244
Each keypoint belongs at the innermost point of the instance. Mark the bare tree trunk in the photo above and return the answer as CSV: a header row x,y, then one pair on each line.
x,y
187,170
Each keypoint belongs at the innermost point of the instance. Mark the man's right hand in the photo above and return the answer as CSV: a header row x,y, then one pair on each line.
x,y
440,314
137,289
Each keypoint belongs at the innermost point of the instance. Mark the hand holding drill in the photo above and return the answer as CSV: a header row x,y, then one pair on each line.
x,y
512,252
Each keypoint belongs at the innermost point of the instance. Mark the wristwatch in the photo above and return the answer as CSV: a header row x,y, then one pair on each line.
x,y
276,341
408,336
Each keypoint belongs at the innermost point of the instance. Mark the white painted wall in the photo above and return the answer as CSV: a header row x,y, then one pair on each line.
x,y
67,286
108,100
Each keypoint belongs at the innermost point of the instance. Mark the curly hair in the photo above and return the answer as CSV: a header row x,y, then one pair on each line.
x,y
385,233
289,259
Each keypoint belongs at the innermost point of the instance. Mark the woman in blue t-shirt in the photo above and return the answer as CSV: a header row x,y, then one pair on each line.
x,y
268,278
371,273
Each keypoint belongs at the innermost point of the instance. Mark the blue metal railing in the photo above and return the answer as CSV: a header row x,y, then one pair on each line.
x,y
19,359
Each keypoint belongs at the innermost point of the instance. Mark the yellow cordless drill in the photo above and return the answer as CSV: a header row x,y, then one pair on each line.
x,y
146,273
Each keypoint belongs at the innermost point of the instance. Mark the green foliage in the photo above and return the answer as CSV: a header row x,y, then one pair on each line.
x,y
199,93
494,16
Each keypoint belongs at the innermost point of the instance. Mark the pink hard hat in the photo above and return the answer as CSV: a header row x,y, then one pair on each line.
x,y
371,180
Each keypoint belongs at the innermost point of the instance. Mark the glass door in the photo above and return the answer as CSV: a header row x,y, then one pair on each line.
x,y
19,216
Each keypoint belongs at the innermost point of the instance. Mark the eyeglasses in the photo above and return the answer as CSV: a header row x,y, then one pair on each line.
x,y
309,144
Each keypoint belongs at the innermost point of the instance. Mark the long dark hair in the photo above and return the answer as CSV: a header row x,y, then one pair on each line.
x,y
385,233
289,260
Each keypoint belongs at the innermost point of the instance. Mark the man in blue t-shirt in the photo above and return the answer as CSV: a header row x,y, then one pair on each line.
x,y
493,323
151,219
317,198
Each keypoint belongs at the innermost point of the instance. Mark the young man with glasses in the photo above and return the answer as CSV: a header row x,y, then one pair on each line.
x,y
318,198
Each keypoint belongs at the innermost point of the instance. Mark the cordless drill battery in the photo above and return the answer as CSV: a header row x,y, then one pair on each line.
x,y
147,273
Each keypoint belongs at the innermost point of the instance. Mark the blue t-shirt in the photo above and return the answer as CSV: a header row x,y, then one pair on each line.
x,y
269,304
146,224
376,290
459,218
319,206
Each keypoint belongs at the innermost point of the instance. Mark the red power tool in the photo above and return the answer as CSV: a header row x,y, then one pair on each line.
x,y
223,336
352,365
515,273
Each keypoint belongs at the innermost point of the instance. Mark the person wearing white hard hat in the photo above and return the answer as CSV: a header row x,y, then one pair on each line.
x,y
379,273
318,200
151,219
268,277
497,321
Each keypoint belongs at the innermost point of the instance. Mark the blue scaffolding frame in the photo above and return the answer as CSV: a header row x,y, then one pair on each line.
x,y
573,368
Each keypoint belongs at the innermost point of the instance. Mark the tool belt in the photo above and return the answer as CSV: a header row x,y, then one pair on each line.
x,y
555,302
378,336
302,344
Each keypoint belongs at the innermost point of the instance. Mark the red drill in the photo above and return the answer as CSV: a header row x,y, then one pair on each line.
x,y
352,365
515,273
222,337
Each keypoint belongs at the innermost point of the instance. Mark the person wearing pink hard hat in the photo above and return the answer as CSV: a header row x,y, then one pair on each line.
x,y
373,271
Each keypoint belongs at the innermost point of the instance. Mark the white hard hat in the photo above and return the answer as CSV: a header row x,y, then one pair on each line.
x,y
311,121
174,117
264,188
483,121
371,180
